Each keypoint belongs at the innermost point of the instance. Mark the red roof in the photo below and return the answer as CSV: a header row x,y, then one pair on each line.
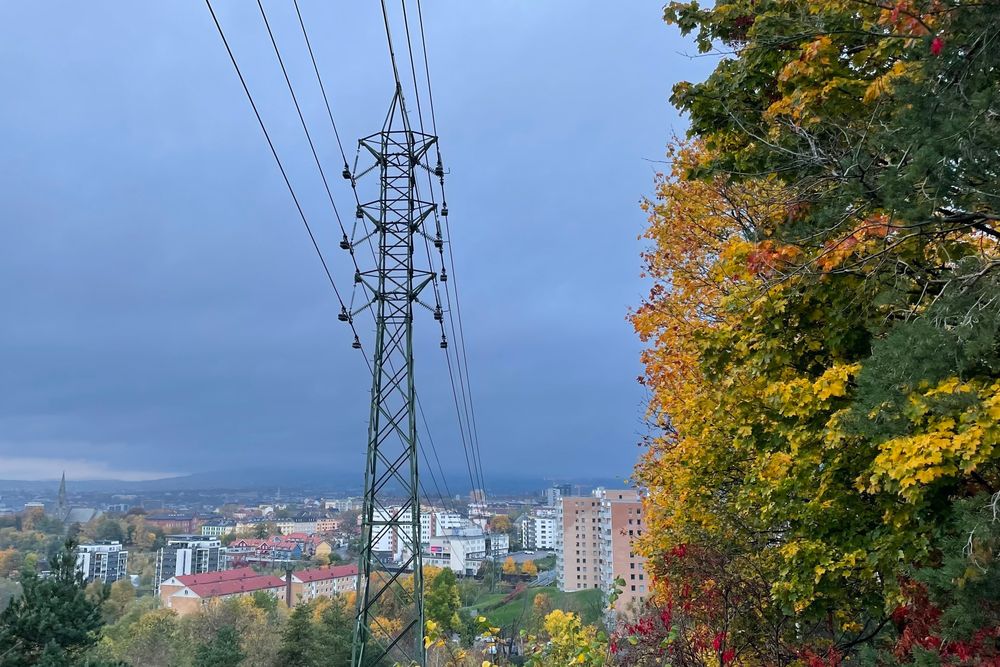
x,y
251,543
234,586
329,572
215,577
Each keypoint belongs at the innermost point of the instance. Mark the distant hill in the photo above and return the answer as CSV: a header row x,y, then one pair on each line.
x,y
294,479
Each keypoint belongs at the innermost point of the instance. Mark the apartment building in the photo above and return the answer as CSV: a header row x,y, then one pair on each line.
x,y
218,527
578,551
188,593
594,544
188,554
621,522
307,585
328,525
102,561
539,529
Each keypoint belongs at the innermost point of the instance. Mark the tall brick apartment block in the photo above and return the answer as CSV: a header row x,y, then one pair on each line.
x,y
595,543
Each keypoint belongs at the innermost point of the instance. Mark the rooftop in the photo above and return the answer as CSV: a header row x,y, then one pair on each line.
x,y
215,577
233,586
324,573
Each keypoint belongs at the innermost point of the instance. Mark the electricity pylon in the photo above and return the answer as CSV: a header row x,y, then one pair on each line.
x,y
390,528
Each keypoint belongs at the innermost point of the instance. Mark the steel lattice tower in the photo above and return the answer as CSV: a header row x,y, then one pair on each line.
x,y
391,509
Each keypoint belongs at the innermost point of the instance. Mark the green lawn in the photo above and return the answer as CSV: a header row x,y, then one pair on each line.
x,y
547,563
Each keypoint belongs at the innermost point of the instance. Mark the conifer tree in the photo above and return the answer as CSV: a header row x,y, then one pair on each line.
x,y
53,623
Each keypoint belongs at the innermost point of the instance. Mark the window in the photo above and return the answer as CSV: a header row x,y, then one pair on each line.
x,y
633,589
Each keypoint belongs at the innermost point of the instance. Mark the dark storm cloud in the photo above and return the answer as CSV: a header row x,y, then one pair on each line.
x,y
163,310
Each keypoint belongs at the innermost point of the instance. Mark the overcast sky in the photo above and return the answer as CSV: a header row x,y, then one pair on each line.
x,y
162,308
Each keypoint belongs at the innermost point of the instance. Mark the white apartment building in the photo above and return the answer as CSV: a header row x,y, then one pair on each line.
x,y
218,528
539,529
447,539
464,551
102,561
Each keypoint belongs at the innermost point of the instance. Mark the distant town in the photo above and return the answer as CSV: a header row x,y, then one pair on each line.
x,y
188,549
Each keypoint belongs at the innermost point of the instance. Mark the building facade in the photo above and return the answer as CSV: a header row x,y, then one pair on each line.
x,y
188,554
621,523
102,561
578,543
307,585
595,541
189,593
539,529
218,527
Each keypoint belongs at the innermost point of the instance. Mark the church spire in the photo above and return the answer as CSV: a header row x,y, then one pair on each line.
x,y
62,492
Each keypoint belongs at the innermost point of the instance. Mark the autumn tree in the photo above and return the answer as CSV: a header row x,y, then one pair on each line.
x,y
510,566
441,601
541,606
822,328
529,568
567,641
500,523
10,561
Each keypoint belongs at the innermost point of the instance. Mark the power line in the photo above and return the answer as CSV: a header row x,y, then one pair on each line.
x,y
333,125
458,306
464,381
281,167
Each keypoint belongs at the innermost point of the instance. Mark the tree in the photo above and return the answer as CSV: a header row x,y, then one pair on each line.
x,y
541,606
264,600
153,640
109,529
52,622
10,561
222,651
335,634
509,566
529,568
569,643
500,523
259,630
821,331
441,601
298,640
120,595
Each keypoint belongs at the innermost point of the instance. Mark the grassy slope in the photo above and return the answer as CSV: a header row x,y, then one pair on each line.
x,y
585,603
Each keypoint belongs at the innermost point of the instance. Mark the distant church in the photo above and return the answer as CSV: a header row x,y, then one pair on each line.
x,y
70,515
